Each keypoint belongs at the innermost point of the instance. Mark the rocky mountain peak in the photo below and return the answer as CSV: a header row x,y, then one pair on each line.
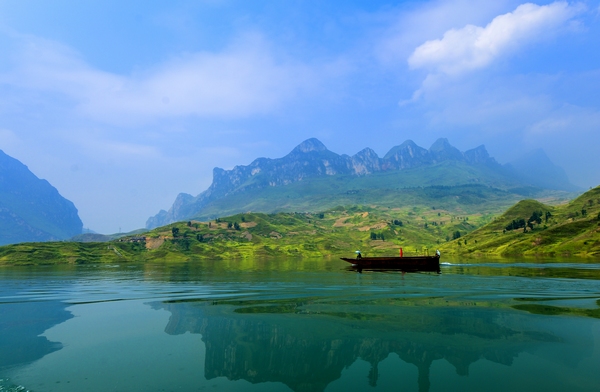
x,y
365,162
479,155
442,150
309,145
311,159
405,156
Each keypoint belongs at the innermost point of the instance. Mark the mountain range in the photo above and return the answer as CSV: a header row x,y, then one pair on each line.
x,y
311,173
30,208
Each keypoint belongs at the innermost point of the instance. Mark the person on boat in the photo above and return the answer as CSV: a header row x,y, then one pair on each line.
x,y
437,252
358,255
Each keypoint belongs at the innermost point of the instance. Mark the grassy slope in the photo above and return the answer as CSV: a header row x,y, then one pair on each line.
x,y
340,231
573,229
334,233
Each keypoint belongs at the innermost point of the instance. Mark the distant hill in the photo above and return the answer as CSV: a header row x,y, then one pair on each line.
x,y
534,228
96,237
312,178
536,169
31,209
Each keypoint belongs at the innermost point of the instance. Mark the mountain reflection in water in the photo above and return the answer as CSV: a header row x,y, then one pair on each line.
x,y
21,325
307,344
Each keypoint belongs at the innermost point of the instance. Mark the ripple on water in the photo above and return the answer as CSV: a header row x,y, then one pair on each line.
x,y
7,386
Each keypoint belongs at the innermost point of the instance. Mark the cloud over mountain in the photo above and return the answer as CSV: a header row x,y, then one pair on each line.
x,y
472,47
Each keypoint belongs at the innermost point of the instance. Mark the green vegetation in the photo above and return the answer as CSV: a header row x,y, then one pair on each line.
x,y
527,228
534,228
333,233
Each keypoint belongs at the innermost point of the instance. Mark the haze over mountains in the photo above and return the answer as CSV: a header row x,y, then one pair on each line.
x,y
412,165
30,208
309,178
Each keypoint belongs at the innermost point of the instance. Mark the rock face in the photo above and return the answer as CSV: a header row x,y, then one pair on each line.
x,y
312,159
31,209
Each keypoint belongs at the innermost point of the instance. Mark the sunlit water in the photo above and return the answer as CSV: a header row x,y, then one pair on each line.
x,y
300,325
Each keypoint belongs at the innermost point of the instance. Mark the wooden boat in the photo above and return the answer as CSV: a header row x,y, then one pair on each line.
x,y
412,263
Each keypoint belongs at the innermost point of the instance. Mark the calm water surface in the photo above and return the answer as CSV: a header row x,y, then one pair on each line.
x,y
301,326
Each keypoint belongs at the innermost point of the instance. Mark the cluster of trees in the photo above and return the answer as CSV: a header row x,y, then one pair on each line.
x,y
535,218
515,224
397,222
234,225
377,236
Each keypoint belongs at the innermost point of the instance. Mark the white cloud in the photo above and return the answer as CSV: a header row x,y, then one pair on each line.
x,y
473,47
428,20
241,80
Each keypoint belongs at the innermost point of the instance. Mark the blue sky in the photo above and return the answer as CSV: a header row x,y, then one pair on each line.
x,y
122,105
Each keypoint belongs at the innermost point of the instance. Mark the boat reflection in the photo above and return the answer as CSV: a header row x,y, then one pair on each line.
x,y
403,270
306,344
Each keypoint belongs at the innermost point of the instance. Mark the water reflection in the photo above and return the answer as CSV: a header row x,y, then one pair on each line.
x,y
306,344
22,324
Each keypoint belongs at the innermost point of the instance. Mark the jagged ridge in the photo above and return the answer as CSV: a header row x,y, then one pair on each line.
x,y
311,159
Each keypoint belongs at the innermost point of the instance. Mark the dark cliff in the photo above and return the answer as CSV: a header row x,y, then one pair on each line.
x,y
30,208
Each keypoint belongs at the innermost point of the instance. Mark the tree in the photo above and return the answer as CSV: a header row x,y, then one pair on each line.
x,y
535,217
229,225
456,235
236,225
175,231
516,224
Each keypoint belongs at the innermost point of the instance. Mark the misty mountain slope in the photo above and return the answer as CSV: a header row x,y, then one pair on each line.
x,y
311,178
537,169
31,209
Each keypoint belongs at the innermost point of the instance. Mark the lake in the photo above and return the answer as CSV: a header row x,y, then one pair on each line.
x,y
300,325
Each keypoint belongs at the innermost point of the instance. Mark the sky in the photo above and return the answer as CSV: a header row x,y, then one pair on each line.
x,y
122,105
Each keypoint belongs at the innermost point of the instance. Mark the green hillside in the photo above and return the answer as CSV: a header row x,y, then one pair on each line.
x,y
533,228
470,226
333,233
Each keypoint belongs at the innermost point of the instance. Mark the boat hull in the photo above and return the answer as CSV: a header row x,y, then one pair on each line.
x,y
420,263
